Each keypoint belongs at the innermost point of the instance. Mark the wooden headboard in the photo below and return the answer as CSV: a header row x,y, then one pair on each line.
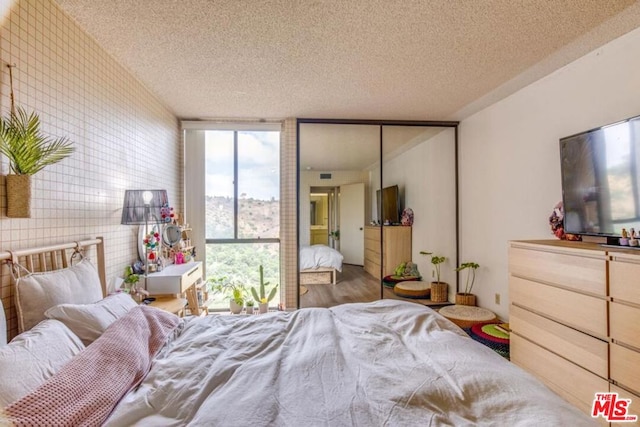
x,y
54,257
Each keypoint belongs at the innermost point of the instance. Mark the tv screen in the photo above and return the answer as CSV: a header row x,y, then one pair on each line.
x,y
389,204
600,179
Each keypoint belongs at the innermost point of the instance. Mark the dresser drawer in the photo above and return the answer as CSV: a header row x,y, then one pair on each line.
x,y
623,280
174,279
582,270
372,233
624,324
583,312
570,381
582,349
625,367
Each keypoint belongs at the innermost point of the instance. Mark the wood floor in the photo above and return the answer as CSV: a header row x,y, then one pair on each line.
x,y
353,285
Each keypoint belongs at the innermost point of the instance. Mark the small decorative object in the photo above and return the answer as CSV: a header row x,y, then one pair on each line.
x,y
407,217
166,213
335,234
262,299
633,241
179,258
28,151
624,240
556,222
466,297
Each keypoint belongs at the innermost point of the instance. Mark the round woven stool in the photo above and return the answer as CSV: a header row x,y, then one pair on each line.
x,y
466,316
412,289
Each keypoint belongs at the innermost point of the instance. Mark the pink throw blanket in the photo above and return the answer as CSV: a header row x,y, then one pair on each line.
x,y
86,389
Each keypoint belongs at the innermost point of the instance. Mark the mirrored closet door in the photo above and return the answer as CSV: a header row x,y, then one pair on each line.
x,y
355,181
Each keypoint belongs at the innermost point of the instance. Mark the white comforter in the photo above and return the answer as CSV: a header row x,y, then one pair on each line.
x,y
384,363
315,256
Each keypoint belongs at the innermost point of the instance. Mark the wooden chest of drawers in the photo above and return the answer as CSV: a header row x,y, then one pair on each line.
x,y
575,318
558,316
396,248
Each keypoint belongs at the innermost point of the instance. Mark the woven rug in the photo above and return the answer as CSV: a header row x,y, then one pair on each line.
x,y
303,289
490,336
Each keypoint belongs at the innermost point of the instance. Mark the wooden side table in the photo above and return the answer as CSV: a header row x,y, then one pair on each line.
x,y
171,304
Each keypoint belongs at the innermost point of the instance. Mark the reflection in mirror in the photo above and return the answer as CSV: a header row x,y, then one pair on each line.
x,y
412,189
334,190
419,175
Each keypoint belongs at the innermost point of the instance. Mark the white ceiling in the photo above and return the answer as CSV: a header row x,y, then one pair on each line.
x,y
352,59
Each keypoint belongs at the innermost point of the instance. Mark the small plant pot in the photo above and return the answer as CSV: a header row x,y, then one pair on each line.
x,y
439,292
18,196
465,299
235,307
249,309
264,307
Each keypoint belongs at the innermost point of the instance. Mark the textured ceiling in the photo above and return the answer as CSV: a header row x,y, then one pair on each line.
x,y
357,59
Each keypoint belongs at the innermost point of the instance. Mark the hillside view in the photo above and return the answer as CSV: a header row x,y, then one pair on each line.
x,y
239,263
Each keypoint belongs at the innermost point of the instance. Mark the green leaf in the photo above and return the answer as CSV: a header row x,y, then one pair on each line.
x,y
28,150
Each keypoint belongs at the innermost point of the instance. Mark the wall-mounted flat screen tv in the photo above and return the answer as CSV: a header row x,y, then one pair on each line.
x,y
601,179
389,204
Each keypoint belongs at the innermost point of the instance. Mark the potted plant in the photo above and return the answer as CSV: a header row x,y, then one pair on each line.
x,y
28,151
130,280
234,292
439,290
249,303
466,297
261,298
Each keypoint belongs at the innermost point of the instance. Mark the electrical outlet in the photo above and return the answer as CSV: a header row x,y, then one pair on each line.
x,y
498,299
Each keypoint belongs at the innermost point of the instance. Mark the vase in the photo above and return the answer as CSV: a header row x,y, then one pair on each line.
x,y
235,307
465,299
263,307
18,196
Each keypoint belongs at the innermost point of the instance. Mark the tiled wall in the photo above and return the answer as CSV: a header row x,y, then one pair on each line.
x,y
124,138
288,213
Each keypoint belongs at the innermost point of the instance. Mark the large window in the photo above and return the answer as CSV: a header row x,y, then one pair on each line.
x,y
241,207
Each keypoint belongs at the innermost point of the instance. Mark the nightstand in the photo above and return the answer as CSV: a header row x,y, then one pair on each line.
x,y
175,280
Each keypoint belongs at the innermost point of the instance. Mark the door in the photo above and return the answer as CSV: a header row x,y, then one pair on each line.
x,y
352,223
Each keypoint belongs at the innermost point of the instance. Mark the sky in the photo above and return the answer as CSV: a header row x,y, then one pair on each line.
x,y
258,164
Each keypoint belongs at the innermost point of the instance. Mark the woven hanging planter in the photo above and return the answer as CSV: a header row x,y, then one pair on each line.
x,y
18,196
465,299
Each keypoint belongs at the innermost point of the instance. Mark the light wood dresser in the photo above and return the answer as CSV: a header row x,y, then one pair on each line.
x,y
396,249
575,318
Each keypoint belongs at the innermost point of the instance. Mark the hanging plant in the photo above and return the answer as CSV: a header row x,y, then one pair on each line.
x,y
29,151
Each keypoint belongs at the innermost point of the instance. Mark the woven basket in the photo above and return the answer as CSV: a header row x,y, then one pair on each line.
x,y
465,299
18,196
439,292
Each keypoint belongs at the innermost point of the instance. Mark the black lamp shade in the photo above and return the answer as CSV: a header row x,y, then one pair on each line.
x,y
134,207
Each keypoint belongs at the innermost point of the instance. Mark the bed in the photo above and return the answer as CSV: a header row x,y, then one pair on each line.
x,y
387,362
319,264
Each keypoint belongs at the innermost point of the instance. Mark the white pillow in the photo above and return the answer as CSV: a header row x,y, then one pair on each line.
x,y
3,326
35,293
89,321
34,356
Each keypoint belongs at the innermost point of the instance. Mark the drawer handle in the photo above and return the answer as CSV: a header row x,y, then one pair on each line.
x,y
192,271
